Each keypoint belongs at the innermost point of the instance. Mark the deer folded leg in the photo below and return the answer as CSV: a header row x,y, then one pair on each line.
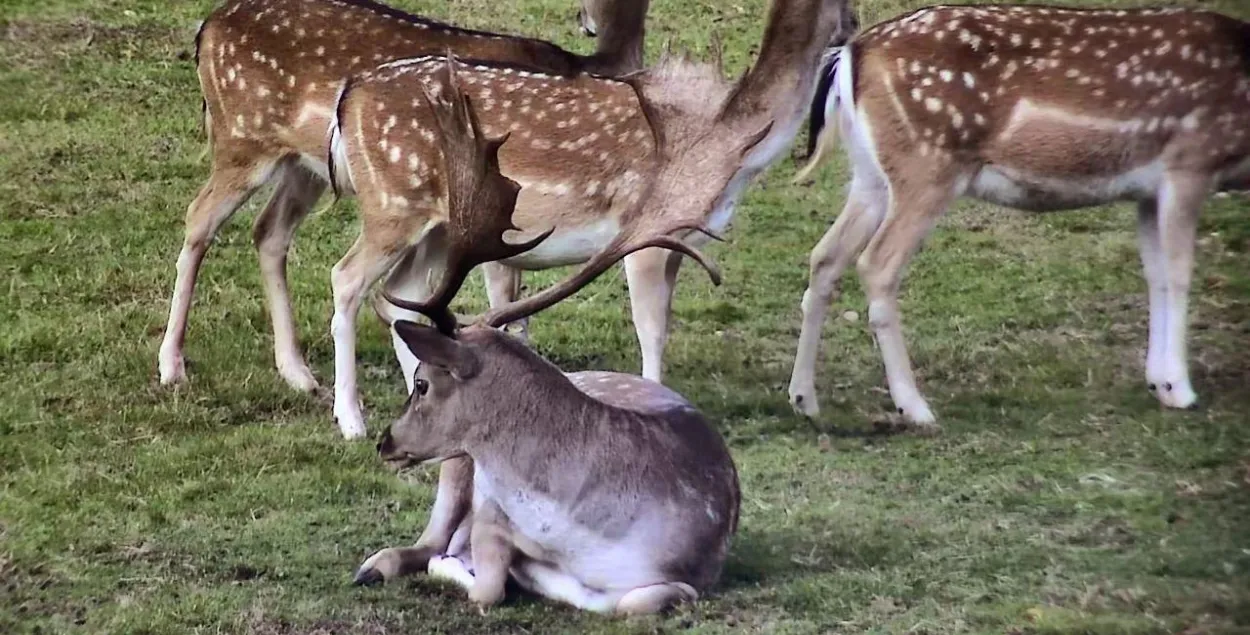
x,y
297,191
865,206
1180,202
655,598
492,549
913,211
446,531
652,276
549,581
228,188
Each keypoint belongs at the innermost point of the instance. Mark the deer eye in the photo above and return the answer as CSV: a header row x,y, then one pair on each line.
x,y
420,387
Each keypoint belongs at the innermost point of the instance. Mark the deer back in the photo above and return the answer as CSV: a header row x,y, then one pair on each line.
x,y
578,146
271,69
1058,95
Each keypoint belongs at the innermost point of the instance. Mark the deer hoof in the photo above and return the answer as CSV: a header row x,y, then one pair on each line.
x,y
1176,395
377,569
299,378
368,577
804,403
351,422
919,419
173,370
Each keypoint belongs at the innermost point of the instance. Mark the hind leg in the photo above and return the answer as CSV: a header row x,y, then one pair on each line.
x,y
297,191
914,209
865,206
652,276
228,188
655,598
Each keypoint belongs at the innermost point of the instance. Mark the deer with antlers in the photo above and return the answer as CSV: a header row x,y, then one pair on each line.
x,y
603,490
598,160
270,72
1035,108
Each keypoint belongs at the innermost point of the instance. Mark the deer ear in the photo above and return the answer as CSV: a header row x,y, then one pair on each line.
x,y
432,347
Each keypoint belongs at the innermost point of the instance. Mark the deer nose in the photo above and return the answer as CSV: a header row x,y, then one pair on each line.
x,y
386,444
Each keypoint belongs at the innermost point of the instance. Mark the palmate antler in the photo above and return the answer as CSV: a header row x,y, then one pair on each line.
x,y
481,200
481,206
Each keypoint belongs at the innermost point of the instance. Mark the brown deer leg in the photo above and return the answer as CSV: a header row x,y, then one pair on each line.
x,y
1154,267
503,285
227,189
411,279
451,510
1180,202
351,278
493,552
865,206
652,276
913,211
297,191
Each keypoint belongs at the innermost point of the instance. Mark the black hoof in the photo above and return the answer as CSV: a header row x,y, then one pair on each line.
x,y
368,577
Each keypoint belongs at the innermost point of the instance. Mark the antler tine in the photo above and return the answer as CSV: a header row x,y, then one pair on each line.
x,y
481,201
622,246
718,53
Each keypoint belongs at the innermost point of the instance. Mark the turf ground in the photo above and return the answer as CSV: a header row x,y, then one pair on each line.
x,y
1059,499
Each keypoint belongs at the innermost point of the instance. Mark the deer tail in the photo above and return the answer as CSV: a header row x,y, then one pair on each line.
x,y
838,90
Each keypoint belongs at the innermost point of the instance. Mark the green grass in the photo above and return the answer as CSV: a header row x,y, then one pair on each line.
x,y
1059,499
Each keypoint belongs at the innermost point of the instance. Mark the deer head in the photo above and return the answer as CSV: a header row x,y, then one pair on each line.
x,y
619,26
463,381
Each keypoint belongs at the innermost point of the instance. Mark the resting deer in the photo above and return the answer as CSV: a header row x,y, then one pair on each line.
x,y
590,153
270,71
1038,109
603,490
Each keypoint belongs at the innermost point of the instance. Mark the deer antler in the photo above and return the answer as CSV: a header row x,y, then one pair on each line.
x,y
481,200
650,224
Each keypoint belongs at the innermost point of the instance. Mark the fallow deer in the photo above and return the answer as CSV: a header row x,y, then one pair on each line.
x,y
593,154
1035,108
603,490
270,71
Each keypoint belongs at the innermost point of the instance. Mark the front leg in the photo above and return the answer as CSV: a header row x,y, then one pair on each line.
x,y
652,276
503,285
491,543
452,505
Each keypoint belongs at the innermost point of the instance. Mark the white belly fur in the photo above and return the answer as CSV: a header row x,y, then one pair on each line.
x,y
1021,190
568,246
595,561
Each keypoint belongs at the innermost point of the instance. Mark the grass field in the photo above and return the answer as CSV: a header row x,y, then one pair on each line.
x,y
1059,498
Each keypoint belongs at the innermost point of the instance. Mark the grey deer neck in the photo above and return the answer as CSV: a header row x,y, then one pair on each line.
x,y
620,41
544,405
781,82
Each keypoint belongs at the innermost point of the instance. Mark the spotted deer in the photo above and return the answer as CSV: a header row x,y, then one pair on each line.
x,y
603,490
593,156
270,72
1039,109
